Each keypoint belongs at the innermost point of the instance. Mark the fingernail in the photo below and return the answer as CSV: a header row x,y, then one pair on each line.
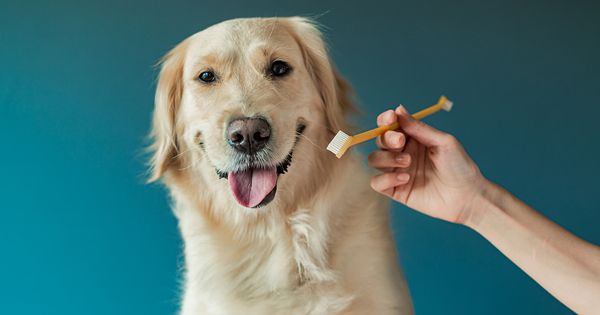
x,y
399,139
396,140
403,177
388,117
401,109
401,158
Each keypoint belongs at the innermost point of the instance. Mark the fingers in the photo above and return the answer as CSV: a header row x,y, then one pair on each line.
x,y
384,182
387,159
419,130
390,140
386,118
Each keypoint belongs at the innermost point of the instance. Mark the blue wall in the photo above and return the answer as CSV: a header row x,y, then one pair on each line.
x,y
81,234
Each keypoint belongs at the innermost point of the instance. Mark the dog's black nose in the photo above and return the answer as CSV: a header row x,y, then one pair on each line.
x,y
248,135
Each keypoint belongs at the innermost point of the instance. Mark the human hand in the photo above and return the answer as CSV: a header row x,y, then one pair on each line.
x,y
429,171
425,169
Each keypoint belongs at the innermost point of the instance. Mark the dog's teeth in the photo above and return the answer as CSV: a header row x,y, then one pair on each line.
x,y
221,174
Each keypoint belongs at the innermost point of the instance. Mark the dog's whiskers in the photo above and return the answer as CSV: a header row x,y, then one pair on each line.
x,y
190,164
309,141
187,167
180,154
261,160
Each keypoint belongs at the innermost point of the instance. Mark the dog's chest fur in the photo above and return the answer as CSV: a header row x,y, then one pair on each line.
x,y
276,266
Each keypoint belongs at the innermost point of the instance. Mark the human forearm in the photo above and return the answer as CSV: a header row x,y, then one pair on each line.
x,y
566,266
430,172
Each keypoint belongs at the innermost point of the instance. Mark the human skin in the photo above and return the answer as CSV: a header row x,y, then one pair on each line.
x,y
429,171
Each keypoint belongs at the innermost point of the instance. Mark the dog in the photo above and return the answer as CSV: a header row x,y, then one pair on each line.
x,y
271,222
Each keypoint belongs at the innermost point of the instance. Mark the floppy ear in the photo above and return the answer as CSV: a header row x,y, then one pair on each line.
x,y
335,91
166,103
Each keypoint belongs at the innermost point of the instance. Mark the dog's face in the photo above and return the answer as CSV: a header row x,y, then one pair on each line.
x,y
242,103
247,98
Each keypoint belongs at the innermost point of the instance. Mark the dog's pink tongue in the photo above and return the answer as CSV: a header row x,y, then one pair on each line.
x,y
250,187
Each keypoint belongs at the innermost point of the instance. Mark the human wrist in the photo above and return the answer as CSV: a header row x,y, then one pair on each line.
x,y
485,203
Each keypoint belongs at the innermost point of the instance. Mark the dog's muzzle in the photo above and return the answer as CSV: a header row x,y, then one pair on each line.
x,y
253,182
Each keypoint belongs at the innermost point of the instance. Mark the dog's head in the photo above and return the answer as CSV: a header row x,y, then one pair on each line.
x,y
247,107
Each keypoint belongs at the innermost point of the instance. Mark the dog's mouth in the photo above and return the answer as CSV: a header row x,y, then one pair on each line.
x,y
255,185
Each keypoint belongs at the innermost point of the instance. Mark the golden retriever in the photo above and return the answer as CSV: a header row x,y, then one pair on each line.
x,y
272,223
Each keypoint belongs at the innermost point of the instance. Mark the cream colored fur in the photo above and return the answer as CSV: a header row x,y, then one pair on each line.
x,y
323,245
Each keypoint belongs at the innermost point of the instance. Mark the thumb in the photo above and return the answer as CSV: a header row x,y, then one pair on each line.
x,y
419,130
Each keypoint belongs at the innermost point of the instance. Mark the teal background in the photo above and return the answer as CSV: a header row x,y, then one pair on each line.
x,y
80,232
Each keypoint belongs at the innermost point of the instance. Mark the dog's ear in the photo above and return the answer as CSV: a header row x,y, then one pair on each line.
x,y
168,95
335,91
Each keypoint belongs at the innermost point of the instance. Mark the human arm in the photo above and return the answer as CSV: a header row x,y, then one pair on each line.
x,y
429,171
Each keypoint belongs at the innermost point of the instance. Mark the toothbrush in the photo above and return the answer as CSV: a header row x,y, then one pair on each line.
x,y
342,141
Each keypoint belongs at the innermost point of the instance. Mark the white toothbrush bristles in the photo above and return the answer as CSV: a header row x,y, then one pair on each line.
x,y
339,144
447,105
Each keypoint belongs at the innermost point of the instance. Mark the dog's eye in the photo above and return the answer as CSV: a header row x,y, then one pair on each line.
x,y
207,76
279,68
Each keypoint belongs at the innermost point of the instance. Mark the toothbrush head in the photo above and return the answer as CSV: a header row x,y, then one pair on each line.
x,y
447,105
340,144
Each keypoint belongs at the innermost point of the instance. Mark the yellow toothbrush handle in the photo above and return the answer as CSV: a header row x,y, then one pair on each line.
x,y
368,135
430,110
